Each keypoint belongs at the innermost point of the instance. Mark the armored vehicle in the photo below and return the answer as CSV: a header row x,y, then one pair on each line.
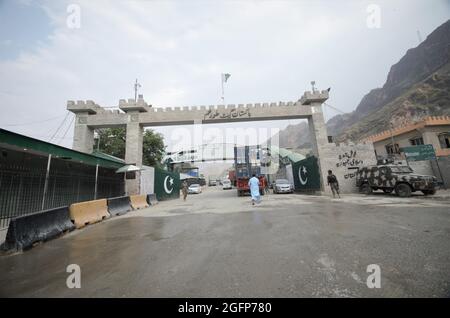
x,y
400,179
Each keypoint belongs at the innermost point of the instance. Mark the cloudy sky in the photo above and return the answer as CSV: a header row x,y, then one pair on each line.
x,y
178,49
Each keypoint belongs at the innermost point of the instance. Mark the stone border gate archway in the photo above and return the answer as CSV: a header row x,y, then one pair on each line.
x,y
138,114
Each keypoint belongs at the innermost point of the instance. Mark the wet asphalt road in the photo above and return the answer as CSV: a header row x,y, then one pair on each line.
x,y
217,245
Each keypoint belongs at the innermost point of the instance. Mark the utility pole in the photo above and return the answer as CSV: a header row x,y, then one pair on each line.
x,y
46,181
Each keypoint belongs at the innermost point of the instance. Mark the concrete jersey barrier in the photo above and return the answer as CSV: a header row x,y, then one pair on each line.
x,y
24,231
119,205
88,212
139,201
151,199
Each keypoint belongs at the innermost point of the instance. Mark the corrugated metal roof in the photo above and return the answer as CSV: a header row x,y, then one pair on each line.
x,y
15,141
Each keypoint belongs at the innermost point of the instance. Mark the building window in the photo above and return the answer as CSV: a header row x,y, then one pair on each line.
x,y
444,140
392,150
416,141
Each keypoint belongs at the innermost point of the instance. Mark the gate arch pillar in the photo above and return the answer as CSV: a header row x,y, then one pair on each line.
x,y
318,133
133,150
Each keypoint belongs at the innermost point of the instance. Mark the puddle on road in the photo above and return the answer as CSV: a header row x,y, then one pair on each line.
x,y
178,211
155,236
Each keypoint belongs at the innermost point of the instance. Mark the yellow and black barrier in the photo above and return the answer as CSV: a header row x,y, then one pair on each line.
x,y
139,201
119,205
25,231
151,199
88,212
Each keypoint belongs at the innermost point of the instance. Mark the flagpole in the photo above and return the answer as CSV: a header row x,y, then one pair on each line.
x,y
223,93
135,90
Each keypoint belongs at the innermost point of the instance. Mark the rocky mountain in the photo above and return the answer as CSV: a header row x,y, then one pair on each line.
x,y
417,86
293,136
430,97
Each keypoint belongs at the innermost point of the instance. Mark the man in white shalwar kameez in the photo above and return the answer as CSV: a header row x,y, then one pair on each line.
x,y
253,184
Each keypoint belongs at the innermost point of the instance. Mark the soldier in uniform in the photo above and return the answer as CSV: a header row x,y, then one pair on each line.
x,y
333,183
184,189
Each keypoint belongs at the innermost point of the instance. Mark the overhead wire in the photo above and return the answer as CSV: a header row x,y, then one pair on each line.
x,y
335,108
32,123
67,129
59,127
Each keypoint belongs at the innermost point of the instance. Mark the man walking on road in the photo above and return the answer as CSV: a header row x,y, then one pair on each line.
x,y
333,183
253,184
184,189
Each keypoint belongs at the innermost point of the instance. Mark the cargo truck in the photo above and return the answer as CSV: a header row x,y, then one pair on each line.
x,y
247,163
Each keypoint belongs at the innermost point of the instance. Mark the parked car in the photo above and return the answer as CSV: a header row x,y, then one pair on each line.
x,y
226,184
212,183
194,188
400,179
283,186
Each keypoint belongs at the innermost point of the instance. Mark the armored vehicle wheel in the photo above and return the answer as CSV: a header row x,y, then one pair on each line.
x,y
403,190
365,188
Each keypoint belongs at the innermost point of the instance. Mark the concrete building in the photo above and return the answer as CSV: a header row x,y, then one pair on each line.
x,y
432,130
429,131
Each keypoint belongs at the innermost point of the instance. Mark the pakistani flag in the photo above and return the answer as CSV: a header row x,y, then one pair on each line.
x,y
225,77
306,174
167,184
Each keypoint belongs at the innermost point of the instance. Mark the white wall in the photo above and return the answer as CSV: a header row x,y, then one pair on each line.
x,y
289,174
344,160
147,180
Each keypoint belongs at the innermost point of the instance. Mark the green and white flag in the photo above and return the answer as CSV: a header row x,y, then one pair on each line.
x,y
167,185
306,174
225,77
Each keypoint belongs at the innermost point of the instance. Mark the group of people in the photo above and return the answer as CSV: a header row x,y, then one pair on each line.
x,y
254,184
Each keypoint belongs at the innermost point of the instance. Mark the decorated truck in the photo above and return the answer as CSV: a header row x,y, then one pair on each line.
x,y
246,164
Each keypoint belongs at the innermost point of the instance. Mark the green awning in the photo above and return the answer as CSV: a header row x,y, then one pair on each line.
x,y
18,142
